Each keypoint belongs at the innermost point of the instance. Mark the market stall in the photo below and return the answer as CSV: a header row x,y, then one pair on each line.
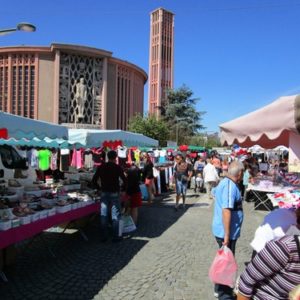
x,y
89,138
275,124
267,127
29,206
18,130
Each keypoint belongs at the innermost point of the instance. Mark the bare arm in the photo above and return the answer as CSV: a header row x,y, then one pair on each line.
x,y
242,297
226,215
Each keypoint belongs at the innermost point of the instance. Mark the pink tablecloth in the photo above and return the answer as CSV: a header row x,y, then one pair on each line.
x,y
24,232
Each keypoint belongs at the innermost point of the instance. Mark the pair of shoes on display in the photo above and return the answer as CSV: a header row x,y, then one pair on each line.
x,y
14,183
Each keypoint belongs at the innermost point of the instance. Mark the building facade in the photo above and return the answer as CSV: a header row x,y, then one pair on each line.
x,y
70,84
161,59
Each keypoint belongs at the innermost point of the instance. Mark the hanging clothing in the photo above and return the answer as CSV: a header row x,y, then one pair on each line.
x,y
77,161
53,161
122,152
64,160
32,157
156,174
44,159
98,156
88,160
137,154
167,175
162,156
163,184
129,157
170,174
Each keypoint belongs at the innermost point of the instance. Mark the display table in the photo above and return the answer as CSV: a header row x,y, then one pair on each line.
x,y
284,200
24,232
261,194
273,200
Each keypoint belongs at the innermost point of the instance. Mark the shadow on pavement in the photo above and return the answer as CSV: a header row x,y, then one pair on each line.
x,y
81,269
155,219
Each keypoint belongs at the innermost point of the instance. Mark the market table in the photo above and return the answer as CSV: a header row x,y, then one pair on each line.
x,y
24,232
261,193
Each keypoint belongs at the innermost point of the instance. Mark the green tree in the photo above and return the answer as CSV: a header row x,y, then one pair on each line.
x,y
151,127
181,114
205,140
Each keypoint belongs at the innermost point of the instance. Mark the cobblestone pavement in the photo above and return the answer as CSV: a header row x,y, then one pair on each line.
x,y
167,258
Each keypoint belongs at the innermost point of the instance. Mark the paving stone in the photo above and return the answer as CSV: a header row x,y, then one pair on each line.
x,y
168,257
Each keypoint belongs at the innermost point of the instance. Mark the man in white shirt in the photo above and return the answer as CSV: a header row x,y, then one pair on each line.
x,y
210,176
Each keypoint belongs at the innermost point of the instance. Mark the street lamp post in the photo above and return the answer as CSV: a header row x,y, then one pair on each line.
x,y
20,27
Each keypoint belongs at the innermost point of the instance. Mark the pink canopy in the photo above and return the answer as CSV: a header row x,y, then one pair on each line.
x,y
268,127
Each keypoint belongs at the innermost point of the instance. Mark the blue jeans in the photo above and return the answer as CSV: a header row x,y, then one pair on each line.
x,y
225,292
181,187
110,205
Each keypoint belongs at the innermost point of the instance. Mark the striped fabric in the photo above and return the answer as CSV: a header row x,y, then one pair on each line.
x,y
274,271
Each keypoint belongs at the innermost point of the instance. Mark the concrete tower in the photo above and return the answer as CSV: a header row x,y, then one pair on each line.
x,y
161,59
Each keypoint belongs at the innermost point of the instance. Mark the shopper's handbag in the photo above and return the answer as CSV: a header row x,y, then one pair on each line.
x,y
224,268
127,224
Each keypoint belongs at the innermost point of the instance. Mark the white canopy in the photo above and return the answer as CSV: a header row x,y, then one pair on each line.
x,y
268,126
281,148
256,149
95,138
25,128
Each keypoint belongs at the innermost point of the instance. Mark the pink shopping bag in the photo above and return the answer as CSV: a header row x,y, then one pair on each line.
x,y
224,268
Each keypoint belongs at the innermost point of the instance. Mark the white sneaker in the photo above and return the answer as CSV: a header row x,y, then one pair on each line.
x,y
216,295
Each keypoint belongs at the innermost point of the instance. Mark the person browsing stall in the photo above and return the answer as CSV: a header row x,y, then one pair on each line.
x,y
228,216
182,175
133,190
210,176
109,175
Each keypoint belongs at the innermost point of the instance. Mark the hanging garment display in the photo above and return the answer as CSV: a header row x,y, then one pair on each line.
x,y
53,161
32,157
44,159
64,160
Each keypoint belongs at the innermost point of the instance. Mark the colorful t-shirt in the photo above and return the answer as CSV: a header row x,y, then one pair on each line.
x,y
44,159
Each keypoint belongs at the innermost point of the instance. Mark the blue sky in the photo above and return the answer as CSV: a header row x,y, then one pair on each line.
x,y
236,55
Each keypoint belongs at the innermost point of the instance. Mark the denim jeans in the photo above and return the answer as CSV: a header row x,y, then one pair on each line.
x,y
181,187
110,206
225,292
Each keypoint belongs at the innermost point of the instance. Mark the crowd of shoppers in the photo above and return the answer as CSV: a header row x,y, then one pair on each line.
x,y
274,271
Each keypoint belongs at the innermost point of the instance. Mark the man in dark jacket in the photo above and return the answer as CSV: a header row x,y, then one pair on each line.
x,y
109,174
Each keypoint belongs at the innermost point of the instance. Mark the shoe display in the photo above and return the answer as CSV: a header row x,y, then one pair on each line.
x,y
14,183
